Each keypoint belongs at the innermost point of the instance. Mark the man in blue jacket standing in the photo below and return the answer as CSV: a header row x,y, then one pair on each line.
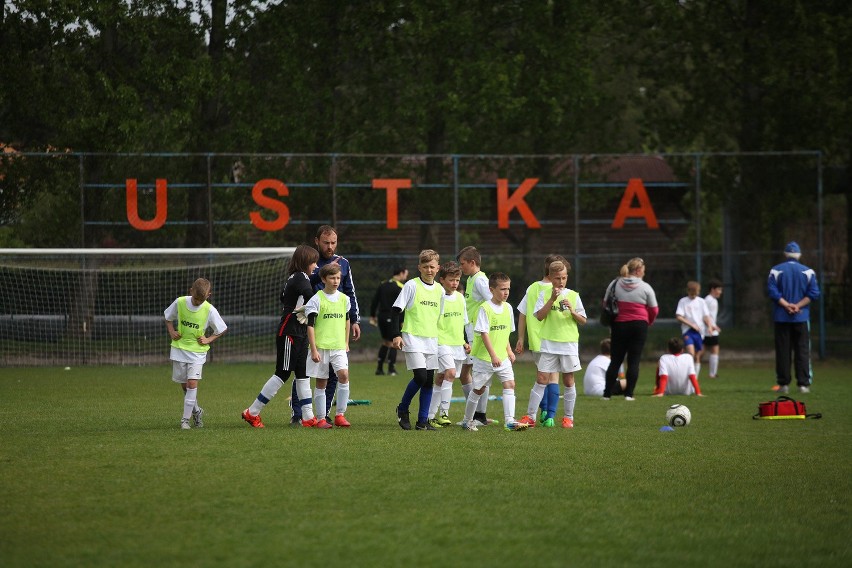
x,y
792,286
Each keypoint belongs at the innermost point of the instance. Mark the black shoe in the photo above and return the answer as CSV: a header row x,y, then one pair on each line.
x,y
295,421
424,426
402,418
391,371
380,372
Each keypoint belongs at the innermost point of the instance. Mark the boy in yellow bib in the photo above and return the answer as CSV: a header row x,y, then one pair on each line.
x,y
420,298
453,346
492,353
193,315
328,336
560,312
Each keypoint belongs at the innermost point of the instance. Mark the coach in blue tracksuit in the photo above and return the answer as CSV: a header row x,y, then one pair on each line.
x,y
792,286
326,243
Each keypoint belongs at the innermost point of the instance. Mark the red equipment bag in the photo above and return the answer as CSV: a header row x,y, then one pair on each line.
x,y
782,408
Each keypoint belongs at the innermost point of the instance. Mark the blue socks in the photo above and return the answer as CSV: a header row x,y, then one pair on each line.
x,y
551,395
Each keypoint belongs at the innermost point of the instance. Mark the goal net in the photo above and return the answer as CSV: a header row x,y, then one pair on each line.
x,y
70,307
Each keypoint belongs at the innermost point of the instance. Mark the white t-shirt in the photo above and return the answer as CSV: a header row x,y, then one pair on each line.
x,y
678,368
481,293
415,343
214,321
456,351
713,310
694,310
558,347
594,380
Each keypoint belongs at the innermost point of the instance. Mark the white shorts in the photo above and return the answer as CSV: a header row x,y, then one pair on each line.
x,y
447,362
483,371
183,372
536,357
418,360
335,357
552,363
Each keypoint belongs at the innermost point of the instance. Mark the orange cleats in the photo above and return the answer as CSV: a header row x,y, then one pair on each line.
x,y
567,422
309,423
253,420
323,424
341,422
527,420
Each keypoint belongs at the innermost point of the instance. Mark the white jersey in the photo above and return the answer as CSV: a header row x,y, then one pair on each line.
x,y
214,321
678,368
713,310
693,309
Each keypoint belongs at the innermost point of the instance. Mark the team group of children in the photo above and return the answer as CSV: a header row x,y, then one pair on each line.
x,y
444,335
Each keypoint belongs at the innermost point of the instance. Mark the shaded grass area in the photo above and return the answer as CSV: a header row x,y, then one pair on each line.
x,y
95,471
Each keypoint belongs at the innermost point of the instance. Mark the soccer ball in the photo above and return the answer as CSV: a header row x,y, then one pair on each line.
x,y
678,415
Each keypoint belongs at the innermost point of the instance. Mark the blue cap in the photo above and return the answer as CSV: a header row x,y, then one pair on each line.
x,y
792,247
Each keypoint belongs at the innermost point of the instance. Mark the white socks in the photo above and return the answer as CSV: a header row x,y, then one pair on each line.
x,y
509,405
267,393
319,403
483,401
303,391
189,400
569,397
536,395
342,397
446,396
436,400
697,369
470,407
714,365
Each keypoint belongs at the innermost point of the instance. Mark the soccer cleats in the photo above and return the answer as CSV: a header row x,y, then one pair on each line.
x,y
515,426
443,420
435,424
567,422
253,420
341,422
184,424
310,423
198,417
323,425
471,426
402,418
528,421
549,423
425,426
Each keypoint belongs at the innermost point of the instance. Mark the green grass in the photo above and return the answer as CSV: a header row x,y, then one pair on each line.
x,y
94,471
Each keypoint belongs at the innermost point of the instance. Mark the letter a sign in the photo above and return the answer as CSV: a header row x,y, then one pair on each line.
x,y
635,190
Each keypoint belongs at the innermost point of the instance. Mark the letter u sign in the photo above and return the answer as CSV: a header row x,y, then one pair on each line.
x,y
133,206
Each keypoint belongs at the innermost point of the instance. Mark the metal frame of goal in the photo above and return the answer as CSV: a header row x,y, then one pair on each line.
x,y
64,307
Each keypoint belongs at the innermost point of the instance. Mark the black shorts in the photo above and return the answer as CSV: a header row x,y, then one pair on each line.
x,y
292,356
386,327
711,340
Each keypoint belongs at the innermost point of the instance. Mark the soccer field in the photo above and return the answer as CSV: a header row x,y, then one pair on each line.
x,y
94,471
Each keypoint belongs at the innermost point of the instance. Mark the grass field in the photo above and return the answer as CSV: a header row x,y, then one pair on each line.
x,y
94,471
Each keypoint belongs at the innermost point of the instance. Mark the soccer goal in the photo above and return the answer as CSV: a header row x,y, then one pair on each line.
x,y
70,307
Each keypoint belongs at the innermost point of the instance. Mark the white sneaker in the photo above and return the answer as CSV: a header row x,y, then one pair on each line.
x,y
184,424
198,417
804,389
471,426
630,398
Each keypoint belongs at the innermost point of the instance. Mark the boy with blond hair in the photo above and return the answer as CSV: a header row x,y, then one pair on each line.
x,y
492,353
190,344
420,299
560,312
453,347
328,337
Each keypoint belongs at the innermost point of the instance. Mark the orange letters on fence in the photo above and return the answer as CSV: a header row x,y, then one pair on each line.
x,y
132,206
635,188
506,203
391,186
269,203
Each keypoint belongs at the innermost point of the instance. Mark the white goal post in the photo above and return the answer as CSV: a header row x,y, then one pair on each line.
x,y
66,307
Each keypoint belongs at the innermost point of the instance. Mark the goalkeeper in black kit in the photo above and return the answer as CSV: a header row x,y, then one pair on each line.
x,y
381,314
